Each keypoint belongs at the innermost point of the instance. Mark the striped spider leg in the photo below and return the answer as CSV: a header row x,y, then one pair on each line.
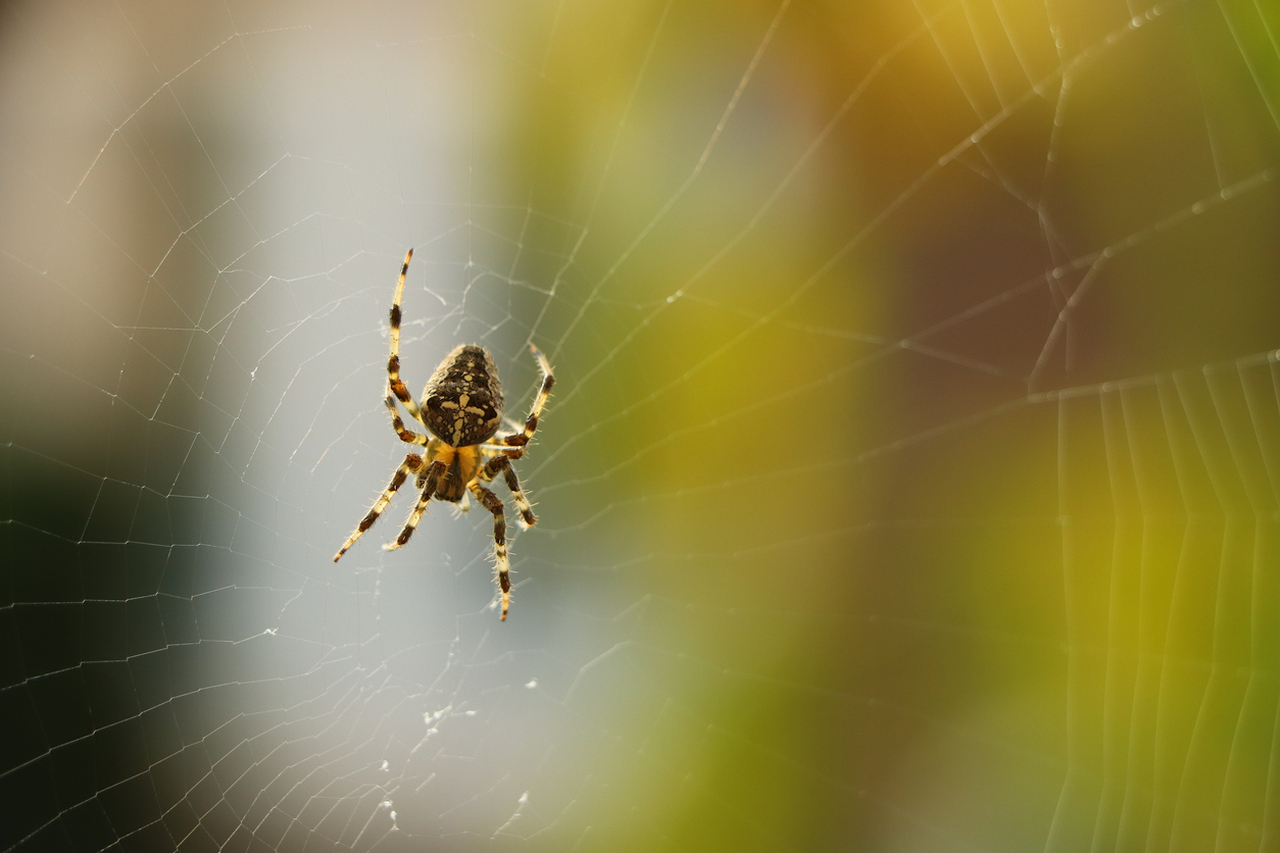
x,y
512,446
501,453
411,464
395,391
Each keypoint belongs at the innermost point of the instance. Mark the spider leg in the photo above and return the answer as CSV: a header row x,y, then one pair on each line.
x,y
428,479
394,384
491,502
520,439
411,463
503,464
406,435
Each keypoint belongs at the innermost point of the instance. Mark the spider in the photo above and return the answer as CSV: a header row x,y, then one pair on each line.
x,y
462,409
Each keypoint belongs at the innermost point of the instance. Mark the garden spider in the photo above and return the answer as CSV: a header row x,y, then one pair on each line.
x,y
462,408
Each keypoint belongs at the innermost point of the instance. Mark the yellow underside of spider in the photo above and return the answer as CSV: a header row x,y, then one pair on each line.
x,y
462,464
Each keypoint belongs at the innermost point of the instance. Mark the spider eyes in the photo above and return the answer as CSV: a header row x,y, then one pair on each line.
x,y
433,403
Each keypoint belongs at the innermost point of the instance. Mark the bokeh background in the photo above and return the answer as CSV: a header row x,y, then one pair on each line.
x,y
910,483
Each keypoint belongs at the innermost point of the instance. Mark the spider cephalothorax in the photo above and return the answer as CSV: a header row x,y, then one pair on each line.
x,y
462,409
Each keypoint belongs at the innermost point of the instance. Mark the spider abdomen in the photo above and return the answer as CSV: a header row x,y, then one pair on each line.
x,y
462,403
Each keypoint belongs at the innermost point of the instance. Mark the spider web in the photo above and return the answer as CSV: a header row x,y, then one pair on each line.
x,y
911,480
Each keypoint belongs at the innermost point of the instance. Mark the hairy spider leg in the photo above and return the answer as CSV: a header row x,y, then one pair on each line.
x,y
394,385
503,464
490,502
411,463
428,478
520,439
406,435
